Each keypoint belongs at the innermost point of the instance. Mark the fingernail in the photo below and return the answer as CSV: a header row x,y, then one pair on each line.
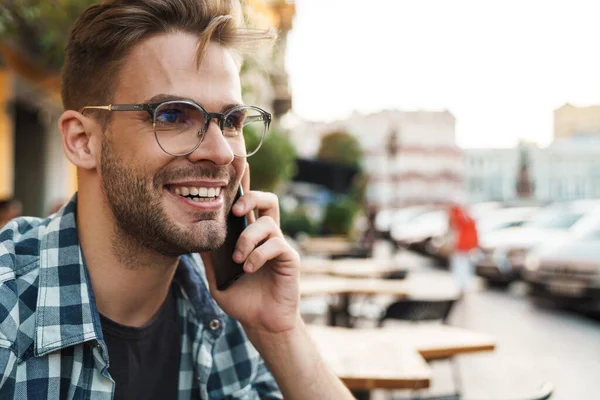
x,y
249,267
237,256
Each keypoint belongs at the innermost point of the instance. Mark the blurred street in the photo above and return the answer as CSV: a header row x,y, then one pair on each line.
x,y
534,345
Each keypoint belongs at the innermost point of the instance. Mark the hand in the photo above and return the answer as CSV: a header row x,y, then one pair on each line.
x,y
266,298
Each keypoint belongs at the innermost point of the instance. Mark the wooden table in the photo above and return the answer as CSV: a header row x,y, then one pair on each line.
x,y
422,286
350,267
394,357
416,286
325,245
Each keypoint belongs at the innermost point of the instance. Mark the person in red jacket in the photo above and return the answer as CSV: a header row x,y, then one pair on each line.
x,y
464,233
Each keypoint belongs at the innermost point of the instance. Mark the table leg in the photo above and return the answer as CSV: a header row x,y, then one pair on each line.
x,y
339,314
345,311
332,313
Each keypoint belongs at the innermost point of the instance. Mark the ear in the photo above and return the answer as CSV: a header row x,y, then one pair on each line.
x,y
78,142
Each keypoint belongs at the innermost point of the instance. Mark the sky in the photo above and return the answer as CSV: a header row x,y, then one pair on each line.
x,y
500,66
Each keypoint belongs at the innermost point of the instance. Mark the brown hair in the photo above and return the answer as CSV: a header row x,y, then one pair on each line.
x,y
105,33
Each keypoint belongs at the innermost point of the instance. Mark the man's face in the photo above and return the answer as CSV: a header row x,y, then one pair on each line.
x,y
139,180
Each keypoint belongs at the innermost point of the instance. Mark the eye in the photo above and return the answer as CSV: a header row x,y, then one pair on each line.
x,y
233,121
169,115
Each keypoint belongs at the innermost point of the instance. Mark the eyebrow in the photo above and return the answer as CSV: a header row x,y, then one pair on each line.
x,y
168,97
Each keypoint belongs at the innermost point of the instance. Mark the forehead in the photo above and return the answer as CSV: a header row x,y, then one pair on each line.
x,y
167,64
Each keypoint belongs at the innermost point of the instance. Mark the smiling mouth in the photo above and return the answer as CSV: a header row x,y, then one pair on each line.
x,y
198,194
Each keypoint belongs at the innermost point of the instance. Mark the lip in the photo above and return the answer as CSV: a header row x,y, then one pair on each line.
x,y
211,205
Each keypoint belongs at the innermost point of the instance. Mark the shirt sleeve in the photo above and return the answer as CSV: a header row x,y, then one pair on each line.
x,y
265,385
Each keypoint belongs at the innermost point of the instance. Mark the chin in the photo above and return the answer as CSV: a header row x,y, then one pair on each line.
x,y
206,235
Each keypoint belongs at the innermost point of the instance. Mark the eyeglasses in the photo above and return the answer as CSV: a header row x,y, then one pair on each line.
x,y
179,125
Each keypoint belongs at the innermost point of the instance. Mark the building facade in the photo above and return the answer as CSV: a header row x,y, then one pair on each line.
x,y
568,169
410,157
571,122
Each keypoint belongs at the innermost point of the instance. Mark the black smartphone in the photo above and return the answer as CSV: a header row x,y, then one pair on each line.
x,y
228,271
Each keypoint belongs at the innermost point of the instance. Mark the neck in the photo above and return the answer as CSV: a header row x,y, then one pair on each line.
x,y
130,282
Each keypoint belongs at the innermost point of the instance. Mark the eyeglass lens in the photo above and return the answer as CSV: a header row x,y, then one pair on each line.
x,y
180,127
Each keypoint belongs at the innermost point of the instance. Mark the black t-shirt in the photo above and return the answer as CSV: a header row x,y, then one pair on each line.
x,y
144,362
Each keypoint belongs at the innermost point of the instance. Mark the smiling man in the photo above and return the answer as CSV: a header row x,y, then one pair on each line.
x,y
114,296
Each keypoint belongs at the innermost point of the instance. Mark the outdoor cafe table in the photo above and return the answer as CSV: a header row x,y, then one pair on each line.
x,y
393,357
327,245
421,286
351,267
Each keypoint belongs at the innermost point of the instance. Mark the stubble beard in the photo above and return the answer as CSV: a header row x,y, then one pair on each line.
x,y
140,218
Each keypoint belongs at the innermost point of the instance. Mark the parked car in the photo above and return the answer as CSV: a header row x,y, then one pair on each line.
x,y
568,272
386,220
440,247
503,252
416,233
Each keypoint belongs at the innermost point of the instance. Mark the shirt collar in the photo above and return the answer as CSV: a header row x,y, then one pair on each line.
x,y
66,312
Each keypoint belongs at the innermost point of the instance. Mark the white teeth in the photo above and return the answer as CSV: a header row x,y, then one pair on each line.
x,y
202,192
196,199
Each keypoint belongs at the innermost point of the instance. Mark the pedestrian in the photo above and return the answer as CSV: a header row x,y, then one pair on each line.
x,y
463,231
9,208
115,295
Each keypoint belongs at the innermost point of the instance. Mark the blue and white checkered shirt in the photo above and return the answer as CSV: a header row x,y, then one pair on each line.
x,y
51,344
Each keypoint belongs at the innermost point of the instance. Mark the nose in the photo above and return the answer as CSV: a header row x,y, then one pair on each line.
x,y
214,147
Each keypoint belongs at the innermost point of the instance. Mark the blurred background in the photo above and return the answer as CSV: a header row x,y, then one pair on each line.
x,y
388,113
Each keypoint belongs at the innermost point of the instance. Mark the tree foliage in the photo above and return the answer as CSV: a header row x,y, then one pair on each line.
x,y
40,28
339,217
274,163
341,148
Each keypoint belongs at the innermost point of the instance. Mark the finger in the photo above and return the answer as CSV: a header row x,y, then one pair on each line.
x,y
267,204
263,229
278,249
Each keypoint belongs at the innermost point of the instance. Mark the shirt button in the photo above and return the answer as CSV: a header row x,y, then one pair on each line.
x,y
215,324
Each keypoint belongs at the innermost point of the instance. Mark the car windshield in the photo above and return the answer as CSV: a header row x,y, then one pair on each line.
x,y
561,219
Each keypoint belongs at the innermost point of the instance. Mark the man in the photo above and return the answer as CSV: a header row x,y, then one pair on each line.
x,y
9,208
114,297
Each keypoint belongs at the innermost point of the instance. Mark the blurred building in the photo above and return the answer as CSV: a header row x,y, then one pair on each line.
x,y
491,174
33,167
410,157
568,169
571,121
264,77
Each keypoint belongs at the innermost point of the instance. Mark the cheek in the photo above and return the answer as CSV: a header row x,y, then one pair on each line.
x,y
138,148
239,165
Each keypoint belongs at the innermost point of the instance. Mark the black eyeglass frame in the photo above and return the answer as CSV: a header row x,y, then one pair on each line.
x,y
151,108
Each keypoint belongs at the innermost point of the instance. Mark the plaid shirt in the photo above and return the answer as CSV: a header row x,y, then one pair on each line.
x,y
51,344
